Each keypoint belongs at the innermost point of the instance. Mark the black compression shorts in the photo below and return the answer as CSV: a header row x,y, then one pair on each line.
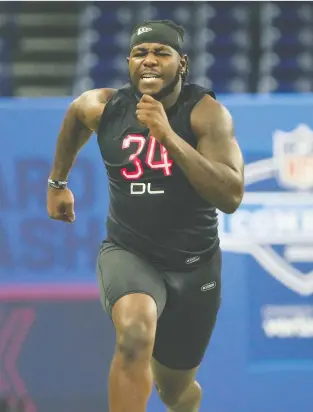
x,y
187,302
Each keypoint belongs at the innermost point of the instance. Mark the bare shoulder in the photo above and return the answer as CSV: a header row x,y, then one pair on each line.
x,y
90,105
210,117
213,126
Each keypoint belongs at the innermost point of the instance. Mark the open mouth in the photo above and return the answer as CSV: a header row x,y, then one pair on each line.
x,y
150,77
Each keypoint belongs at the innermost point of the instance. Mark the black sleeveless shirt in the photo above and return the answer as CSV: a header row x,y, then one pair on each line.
x,y
154,211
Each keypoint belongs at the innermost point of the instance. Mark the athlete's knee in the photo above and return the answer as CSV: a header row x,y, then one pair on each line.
x,y
170,397
135,324
134,340
173,384
171,392
175,396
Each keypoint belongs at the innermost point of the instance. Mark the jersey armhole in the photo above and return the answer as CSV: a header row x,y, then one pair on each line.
x,y
105,112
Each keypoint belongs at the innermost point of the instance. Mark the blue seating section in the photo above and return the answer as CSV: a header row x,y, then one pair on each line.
x,y
234,47
286,47
6,46
217,40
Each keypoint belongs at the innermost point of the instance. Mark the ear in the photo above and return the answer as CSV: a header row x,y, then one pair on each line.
x,y
183,62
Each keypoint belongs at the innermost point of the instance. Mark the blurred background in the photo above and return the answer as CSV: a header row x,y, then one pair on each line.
x,y
55,342
63,48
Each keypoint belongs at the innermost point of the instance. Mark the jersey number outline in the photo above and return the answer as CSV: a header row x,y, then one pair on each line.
x,y
165,163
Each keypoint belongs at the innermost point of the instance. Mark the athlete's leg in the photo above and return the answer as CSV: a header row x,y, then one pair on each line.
x,y
133,294
130,383
178,389
183,334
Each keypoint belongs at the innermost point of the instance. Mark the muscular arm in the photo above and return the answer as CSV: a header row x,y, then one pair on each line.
x,y
81,120
215,169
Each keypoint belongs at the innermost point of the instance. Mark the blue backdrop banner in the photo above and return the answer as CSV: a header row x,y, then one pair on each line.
x,y
261,355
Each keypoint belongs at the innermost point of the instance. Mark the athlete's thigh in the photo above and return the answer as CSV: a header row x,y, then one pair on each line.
x,y
121,272
188,319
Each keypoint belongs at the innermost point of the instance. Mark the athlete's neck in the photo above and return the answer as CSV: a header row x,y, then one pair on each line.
x,y
172,98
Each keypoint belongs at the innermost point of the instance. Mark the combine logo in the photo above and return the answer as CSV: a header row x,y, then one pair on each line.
x,y
276,227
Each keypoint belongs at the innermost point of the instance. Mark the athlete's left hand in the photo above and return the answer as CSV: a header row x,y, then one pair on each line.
x,y
151,113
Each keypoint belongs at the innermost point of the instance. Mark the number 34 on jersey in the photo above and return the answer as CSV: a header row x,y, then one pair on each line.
x,y
165,164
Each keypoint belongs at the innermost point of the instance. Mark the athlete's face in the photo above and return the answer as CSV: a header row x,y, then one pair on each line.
x,y
155,69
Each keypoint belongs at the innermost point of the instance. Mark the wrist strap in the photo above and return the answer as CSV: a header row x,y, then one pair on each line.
x,y
57,184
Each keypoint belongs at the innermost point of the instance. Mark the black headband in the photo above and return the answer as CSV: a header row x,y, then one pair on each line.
x,y
157,33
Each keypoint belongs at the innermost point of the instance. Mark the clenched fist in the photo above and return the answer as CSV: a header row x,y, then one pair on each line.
x,y
151,113
60,204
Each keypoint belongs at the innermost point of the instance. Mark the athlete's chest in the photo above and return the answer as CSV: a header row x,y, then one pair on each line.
x,y
131,153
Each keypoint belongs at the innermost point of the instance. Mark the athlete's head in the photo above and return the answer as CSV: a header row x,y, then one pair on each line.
x,y
157,65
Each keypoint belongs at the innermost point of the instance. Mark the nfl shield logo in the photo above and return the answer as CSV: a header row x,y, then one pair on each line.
x,y
293,154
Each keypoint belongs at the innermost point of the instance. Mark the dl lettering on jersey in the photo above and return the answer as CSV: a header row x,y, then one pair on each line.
x,y
274,226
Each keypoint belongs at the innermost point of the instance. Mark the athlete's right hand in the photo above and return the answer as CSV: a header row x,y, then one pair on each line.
x,y
60,204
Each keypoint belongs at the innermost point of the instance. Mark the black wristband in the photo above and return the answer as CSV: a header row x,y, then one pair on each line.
x,y
57,184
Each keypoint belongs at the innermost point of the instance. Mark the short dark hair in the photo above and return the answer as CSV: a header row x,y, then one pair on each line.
x,y
179,29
